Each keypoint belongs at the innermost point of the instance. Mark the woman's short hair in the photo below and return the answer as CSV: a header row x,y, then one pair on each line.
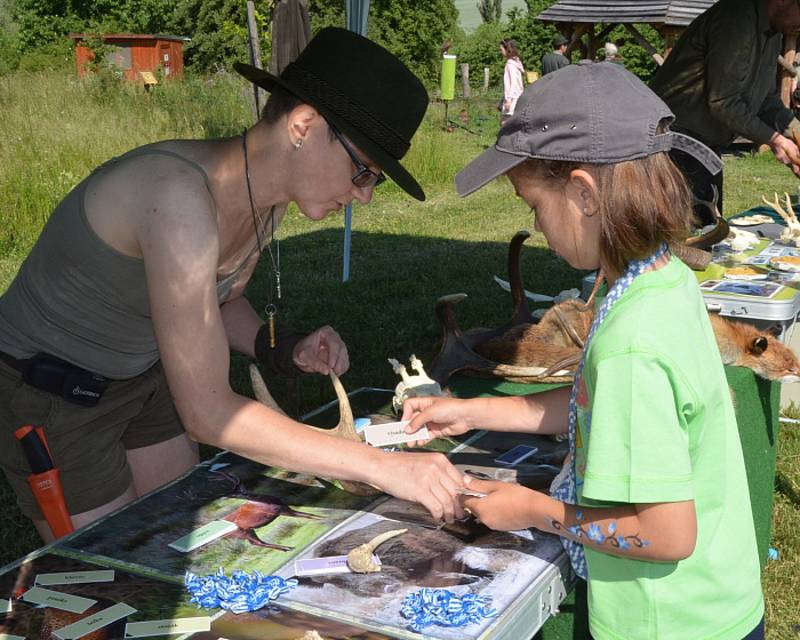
x,y
279,103
643,203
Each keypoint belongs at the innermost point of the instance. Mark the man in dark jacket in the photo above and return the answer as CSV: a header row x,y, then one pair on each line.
x,y
556,59
720,81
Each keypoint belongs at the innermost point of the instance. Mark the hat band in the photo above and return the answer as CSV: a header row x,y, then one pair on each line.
x,y
331,98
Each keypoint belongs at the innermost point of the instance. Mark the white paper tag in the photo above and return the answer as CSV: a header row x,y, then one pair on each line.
x,y
205,534
75,577
324,566
5,606
94,622
57,600
167,627
6,636
381,435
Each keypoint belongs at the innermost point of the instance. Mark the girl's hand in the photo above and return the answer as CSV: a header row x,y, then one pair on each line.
x,y
442,416
506,507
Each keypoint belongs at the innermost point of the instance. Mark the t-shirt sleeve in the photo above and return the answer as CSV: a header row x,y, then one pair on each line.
x,y
638,445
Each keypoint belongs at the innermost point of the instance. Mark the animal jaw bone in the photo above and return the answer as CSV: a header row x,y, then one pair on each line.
x,y
345,429
412,386
792,232
359,560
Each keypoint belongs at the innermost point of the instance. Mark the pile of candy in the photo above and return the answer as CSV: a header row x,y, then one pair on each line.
x,y
240,593
444,608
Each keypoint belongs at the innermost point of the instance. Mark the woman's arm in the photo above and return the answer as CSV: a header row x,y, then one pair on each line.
x,y
662,532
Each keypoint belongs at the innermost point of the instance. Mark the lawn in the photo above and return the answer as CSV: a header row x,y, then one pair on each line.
x,y
404,254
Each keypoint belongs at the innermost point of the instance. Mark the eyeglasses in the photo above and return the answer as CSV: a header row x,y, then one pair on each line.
x,y
365,177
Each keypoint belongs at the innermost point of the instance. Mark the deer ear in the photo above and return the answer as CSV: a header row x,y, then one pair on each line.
x,y
774,330
760,345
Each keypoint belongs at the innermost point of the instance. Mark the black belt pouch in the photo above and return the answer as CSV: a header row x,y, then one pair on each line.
x,y
72,383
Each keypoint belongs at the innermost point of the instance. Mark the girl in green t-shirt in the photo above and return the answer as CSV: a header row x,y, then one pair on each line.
x,y
652,505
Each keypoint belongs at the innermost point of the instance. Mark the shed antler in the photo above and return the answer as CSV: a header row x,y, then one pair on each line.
x,y
791,234
344,429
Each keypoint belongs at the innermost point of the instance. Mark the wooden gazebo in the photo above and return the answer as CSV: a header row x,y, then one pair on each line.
x,y
587,23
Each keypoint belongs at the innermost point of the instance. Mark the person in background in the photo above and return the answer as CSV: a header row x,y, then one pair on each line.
x,y
720,80
611,52
652,505
557,58
513,75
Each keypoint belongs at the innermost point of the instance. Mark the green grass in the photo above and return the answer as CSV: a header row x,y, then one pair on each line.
x,y
55,129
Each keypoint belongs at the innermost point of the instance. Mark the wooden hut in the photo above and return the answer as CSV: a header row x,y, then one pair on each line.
x,y
138,55
588,22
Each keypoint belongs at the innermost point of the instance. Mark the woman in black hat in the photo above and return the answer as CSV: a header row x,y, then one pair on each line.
x,y
115,334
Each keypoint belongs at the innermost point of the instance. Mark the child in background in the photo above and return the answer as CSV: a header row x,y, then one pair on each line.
x,y
653,504
513,74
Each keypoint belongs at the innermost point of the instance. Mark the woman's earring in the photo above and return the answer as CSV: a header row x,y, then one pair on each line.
x,y
298,145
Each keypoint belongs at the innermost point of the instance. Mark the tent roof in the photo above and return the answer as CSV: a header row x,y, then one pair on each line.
x,y
678,13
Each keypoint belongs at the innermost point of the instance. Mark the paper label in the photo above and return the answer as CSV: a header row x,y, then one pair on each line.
x,y
75,577
57,600
5,606
381,435
94,622
205,534
167,627
6,636
322,566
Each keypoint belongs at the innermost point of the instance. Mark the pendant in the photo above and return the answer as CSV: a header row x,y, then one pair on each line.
x,y
271,311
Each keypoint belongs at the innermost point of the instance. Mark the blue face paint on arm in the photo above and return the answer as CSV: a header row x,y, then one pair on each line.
x,y
594,533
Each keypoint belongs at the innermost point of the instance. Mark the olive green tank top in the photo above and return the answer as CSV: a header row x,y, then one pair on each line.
x,y
77,298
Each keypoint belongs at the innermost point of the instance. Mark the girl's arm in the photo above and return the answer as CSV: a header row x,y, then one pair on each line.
x,y
662,532
537,413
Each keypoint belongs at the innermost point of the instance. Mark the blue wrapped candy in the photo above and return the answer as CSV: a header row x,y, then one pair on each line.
x,y
441,607
240,593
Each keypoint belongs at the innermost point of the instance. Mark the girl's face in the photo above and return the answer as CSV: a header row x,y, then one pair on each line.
x,y
566,214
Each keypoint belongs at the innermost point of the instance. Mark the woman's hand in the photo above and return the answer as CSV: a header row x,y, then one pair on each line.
x,y
506,507
442,416
427,478
322,352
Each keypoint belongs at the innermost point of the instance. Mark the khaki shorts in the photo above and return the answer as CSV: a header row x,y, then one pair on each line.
x,y
87,444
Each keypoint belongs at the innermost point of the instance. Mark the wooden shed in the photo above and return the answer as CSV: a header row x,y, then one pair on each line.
x,y
136,54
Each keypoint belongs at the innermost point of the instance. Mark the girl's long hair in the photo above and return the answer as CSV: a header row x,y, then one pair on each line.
x,y
511,48
643,203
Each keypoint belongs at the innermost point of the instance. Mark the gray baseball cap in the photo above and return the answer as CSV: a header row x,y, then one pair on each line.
x,y
592,112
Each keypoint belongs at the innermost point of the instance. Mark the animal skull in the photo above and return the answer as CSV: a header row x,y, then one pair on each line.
x,y
412,386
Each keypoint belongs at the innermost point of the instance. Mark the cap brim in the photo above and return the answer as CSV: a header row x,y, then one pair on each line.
x,y
388,164
485,168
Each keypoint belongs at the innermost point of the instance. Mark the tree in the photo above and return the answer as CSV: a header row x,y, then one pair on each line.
x,y
490,10
414,32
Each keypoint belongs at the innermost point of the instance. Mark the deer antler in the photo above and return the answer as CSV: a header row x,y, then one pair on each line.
x,y
345,429
788,215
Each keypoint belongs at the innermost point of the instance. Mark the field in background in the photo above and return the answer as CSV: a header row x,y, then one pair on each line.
x,y
55,129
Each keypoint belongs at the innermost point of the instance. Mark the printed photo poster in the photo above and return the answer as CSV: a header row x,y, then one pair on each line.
x,y
273,623
149,599
262,518
465,557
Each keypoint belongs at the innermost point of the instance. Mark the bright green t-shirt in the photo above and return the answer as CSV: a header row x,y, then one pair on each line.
x,y
656,424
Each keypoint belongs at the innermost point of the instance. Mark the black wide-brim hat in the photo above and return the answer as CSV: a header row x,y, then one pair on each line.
x,y
362,90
